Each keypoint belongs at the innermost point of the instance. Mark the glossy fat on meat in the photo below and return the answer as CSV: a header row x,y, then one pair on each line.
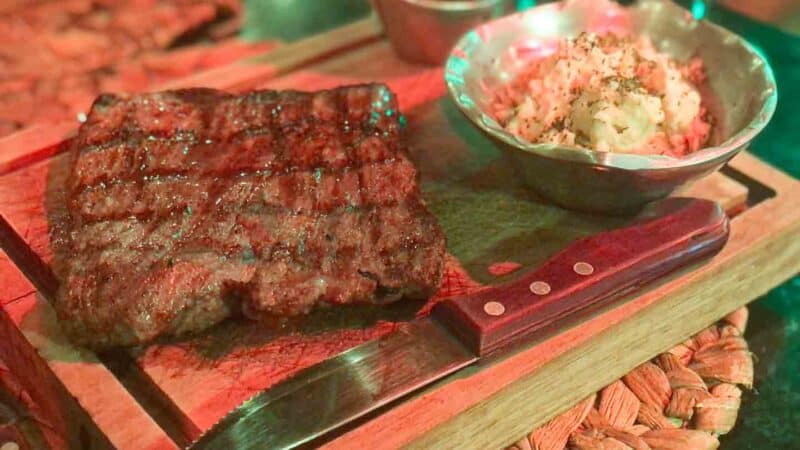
x,y
186,207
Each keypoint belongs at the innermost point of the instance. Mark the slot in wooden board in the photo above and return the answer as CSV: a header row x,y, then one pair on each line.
x,y
83,404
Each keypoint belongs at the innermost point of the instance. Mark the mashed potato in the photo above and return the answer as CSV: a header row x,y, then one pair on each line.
x,y
608,94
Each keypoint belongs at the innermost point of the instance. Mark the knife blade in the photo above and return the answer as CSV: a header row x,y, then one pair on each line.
x,y
588,274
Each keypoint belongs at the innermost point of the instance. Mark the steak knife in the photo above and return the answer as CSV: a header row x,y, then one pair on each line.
x,y
588,274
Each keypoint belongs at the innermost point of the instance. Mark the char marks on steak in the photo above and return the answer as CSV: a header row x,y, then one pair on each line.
x,y
185,207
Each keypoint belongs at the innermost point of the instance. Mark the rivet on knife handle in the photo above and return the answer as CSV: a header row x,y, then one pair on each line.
x,y
586,275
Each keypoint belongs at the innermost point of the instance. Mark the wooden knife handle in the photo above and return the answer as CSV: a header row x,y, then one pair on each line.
x,y
588,274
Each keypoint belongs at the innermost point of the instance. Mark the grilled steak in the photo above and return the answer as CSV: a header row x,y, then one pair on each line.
x,y
185,207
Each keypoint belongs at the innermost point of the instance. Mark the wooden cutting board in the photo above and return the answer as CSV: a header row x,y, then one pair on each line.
x,y
486,215
171,392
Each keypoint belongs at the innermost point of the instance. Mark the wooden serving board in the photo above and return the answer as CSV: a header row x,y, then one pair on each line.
x,y
167,394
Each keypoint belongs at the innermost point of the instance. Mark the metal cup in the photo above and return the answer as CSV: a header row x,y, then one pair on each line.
x,y
424,31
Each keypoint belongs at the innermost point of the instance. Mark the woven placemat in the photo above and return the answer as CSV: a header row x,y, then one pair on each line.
x,y
682,399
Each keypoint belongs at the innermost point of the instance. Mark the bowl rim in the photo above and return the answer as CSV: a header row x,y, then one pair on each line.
x,y
623,161
453,5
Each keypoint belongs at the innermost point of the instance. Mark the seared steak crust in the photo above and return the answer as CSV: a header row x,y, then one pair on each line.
x,y
185,207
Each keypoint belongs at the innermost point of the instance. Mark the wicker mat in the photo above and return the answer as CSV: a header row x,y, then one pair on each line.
x,y
682,399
